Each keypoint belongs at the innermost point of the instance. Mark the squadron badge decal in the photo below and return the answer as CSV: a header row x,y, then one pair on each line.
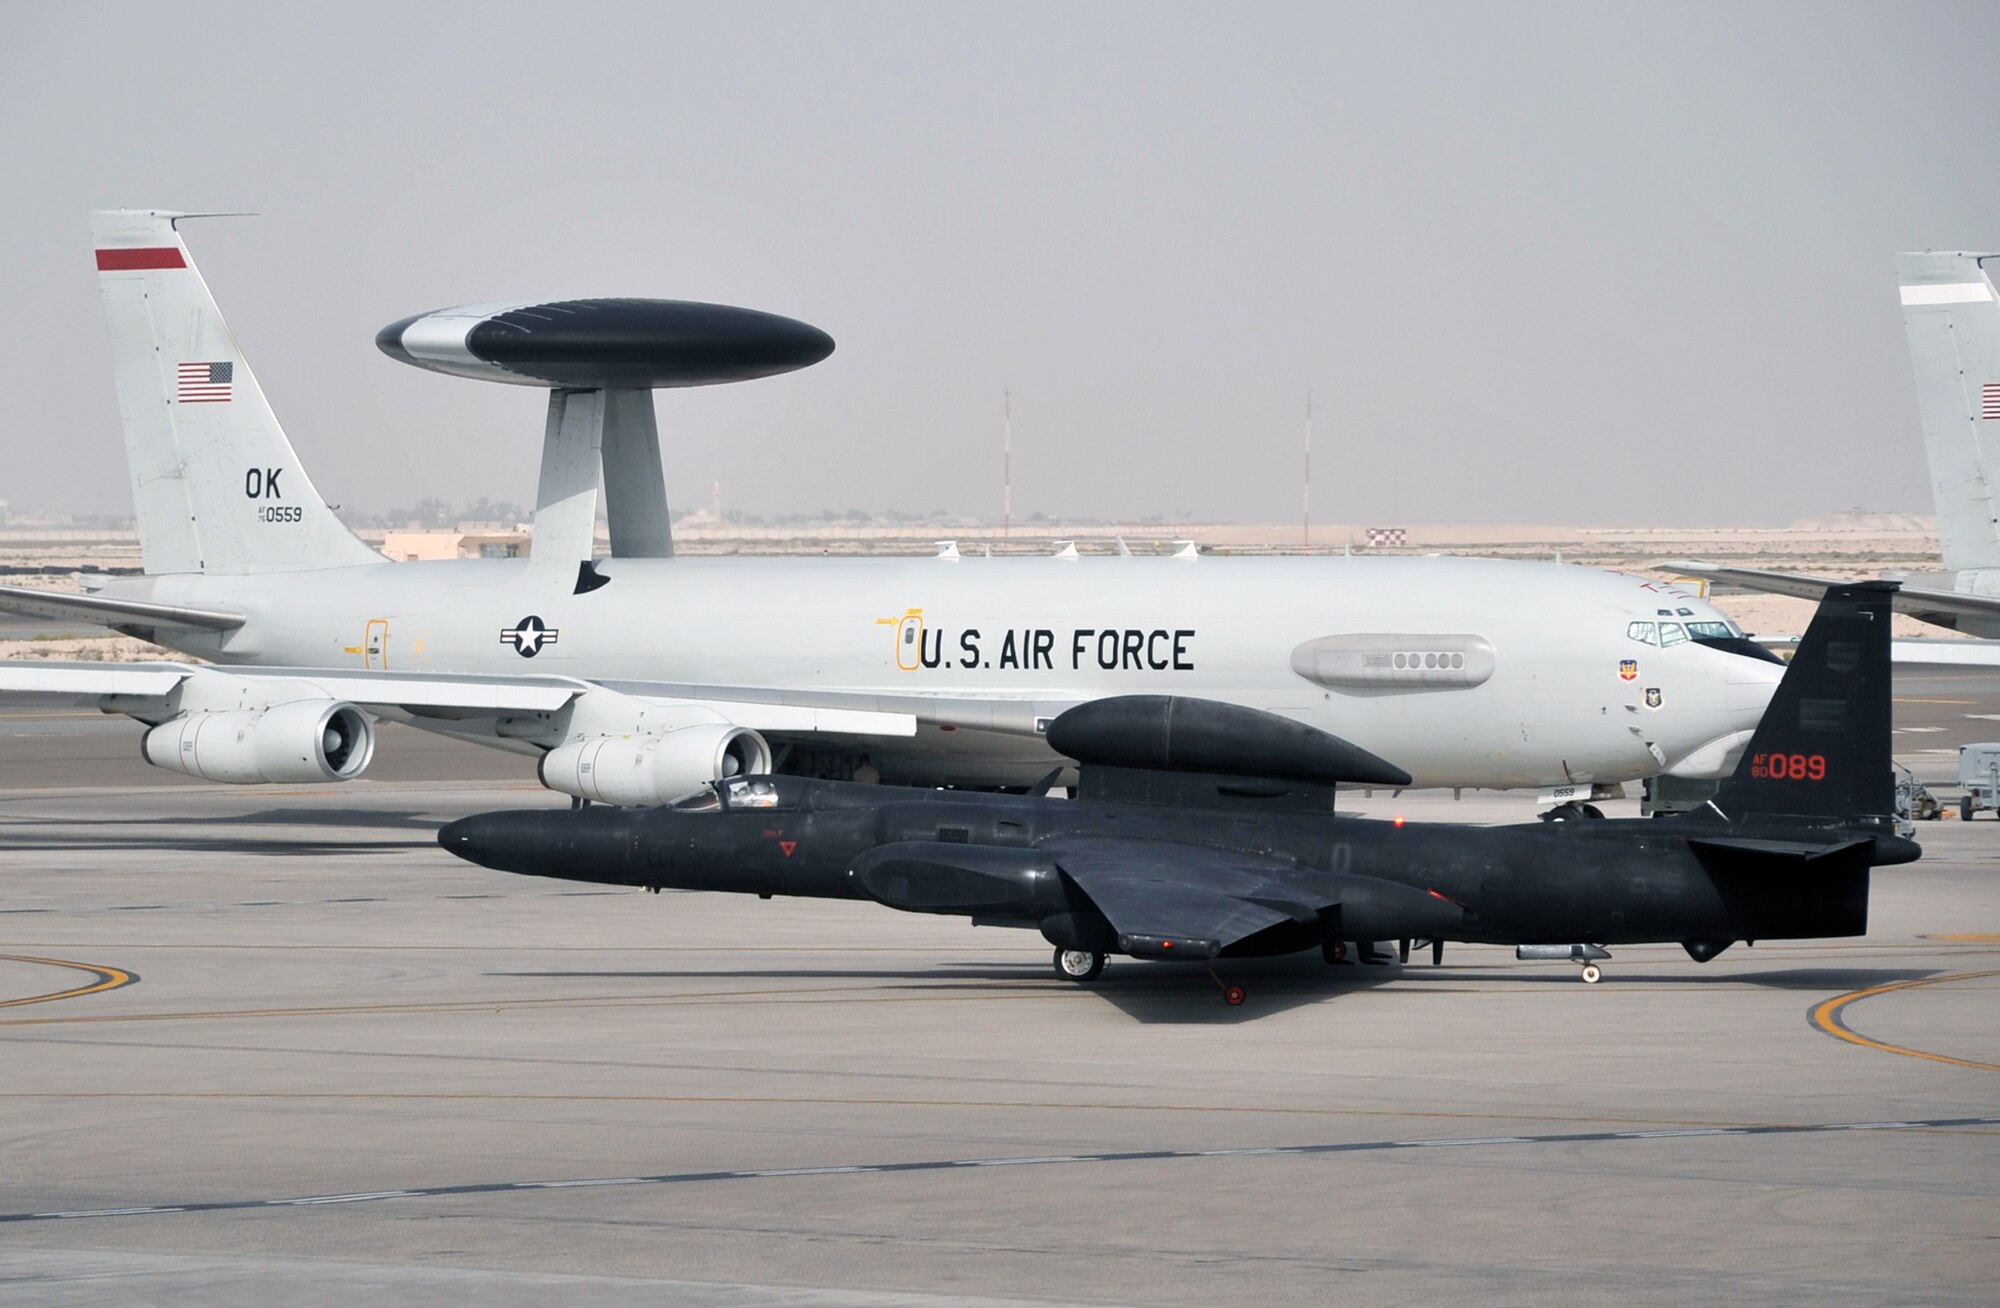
x,y
1653,697
1628,669
529,635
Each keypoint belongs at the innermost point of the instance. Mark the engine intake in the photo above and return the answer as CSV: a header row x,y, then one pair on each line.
x,y
306,740
648,770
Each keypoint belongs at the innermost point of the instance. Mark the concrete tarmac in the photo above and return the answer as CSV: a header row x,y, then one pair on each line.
x,y
272,1044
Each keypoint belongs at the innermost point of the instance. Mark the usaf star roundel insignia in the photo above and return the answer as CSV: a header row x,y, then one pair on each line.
x,y
529,635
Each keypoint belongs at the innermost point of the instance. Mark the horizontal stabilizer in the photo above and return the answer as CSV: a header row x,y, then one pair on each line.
x,y
1736,849
1917,601
104,611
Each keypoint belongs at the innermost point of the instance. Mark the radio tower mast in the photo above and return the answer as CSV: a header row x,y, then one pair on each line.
x,y
1007,463
1306,532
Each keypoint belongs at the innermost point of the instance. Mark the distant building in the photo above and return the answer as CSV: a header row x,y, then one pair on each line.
x,y
429,546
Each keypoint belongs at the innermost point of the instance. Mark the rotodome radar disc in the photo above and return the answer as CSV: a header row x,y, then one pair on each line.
x,y
587,344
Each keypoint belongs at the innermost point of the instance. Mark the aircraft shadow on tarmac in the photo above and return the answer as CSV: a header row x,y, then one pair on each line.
x,y
1182,993
216,845
1146,992
402,819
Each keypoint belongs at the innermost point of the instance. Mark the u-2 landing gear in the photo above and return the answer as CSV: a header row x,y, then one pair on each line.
x,y
1079,965
1587,955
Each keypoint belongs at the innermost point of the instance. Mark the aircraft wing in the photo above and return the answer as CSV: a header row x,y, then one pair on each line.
x,y
1167,900
104,611
1917,601
475,695
1945,653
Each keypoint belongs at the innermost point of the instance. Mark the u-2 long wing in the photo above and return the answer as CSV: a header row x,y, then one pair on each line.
x,y
1168,900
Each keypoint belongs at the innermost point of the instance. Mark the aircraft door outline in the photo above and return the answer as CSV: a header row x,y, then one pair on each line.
x,y
910,640
375,647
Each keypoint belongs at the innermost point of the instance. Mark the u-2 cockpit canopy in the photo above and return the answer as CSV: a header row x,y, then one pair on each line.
x,y
732,793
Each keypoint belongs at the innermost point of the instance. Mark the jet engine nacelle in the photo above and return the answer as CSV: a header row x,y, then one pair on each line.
x,y
646,770
305,740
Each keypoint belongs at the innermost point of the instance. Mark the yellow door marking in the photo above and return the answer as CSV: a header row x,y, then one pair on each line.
x,y
108,978
1827,1018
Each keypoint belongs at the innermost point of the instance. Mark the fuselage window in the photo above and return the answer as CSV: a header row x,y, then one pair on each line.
x,y
1671,633
1643,632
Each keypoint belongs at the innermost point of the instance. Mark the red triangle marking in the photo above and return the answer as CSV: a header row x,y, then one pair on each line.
x,y
788,846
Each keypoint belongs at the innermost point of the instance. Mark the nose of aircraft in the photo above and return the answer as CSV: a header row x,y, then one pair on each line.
x,y
1748,687
479,839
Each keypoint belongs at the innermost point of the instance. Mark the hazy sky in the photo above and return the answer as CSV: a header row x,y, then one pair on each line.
x,y
1589,263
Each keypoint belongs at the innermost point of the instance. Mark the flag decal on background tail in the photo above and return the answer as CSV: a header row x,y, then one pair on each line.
x,y
206,383
1989,401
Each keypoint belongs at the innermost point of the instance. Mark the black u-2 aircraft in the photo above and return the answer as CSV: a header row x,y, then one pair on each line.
x,y
1202,831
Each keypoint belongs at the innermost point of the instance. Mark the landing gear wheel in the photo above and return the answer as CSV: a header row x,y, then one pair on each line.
x,y
1591,811
1234,996
1592,974
1965,808
1078,964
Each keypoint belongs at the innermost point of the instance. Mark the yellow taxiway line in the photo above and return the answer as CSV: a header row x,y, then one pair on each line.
x,y
108,978
1827,1018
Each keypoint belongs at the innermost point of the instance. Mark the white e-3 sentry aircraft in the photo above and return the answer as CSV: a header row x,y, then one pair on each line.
x,y
638,678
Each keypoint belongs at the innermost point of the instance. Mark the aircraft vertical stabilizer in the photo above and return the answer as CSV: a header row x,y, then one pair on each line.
x,y
215,484
1953,319
1821,750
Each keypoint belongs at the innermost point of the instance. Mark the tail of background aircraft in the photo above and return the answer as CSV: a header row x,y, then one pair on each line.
x,y
1821,751
215,484
1953,320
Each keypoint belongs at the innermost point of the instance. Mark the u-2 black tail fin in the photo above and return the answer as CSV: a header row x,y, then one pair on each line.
x,y
1821,752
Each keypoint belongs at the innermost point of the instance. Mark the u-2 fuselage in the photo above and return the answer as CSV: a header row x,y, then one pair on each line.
x,y
1466,672
1609,882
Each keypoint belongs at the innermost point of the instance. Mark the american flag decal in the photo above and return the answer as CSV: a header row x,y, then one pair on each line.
x,y
206,383
1989,401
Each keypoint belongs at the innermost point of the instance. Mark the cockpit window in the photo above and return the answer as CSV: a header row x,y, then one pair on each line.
x,y
750,792
1643,632
708,801
1710,630
1672,633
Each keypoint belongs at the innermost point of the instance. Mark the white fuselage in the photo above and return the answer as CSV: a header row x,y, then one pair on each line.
x,y
1570,697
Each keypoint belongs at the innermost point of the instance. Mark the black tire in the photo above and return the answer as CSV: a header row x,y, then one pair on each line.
x,y
1079,965
1592,811
1965,808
